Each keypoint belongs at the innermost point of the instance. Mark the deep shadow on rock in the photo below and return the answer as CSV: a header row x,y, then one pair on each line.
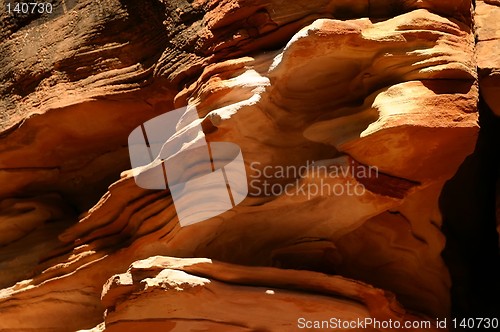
x,y
468,203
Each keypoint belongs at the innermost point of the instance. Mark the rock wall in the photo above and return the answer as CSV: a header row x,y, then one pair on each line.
x,y
404,87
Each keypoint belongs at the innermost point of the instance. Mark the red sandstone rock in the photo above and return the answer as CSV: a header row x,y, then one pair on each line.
x,y
386,84
488,48
186,294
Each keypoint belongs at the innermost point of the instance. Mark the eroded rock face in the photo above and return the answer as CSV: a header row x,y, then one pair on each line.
x,y
488,46
390,86
199,293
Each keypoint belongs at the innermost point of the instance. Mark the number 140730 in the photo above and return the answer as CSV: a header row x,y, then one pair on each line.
x,y
29,8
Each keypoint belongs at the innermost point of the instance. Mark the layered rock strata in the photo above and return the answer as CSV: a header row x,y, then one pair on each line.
x,y
387,88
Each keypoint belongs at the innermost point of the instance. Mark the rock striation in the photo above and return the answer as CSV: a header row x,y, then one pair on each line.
x,y
202,294
488,45
385,89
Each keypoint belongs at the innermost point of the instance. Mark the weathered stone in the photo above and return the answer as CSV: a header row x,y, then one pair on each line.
x,y
387,86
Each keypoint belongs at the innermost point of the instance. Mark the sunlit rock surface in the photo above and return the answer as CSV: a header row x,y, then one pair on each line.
x,y
387,89
193,294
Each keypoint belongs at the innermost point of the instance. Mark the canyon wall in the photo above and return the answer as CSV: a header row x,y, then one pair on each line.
x,y
406,88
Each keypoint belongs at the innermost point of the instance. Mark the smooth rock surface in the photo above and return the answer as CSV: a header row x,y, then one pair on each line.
x,y
386,88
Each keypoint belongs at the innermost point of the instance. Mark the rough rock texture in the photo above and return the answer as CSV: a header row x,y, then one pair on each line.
x,y
392,85
472,247
200,294
488,48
